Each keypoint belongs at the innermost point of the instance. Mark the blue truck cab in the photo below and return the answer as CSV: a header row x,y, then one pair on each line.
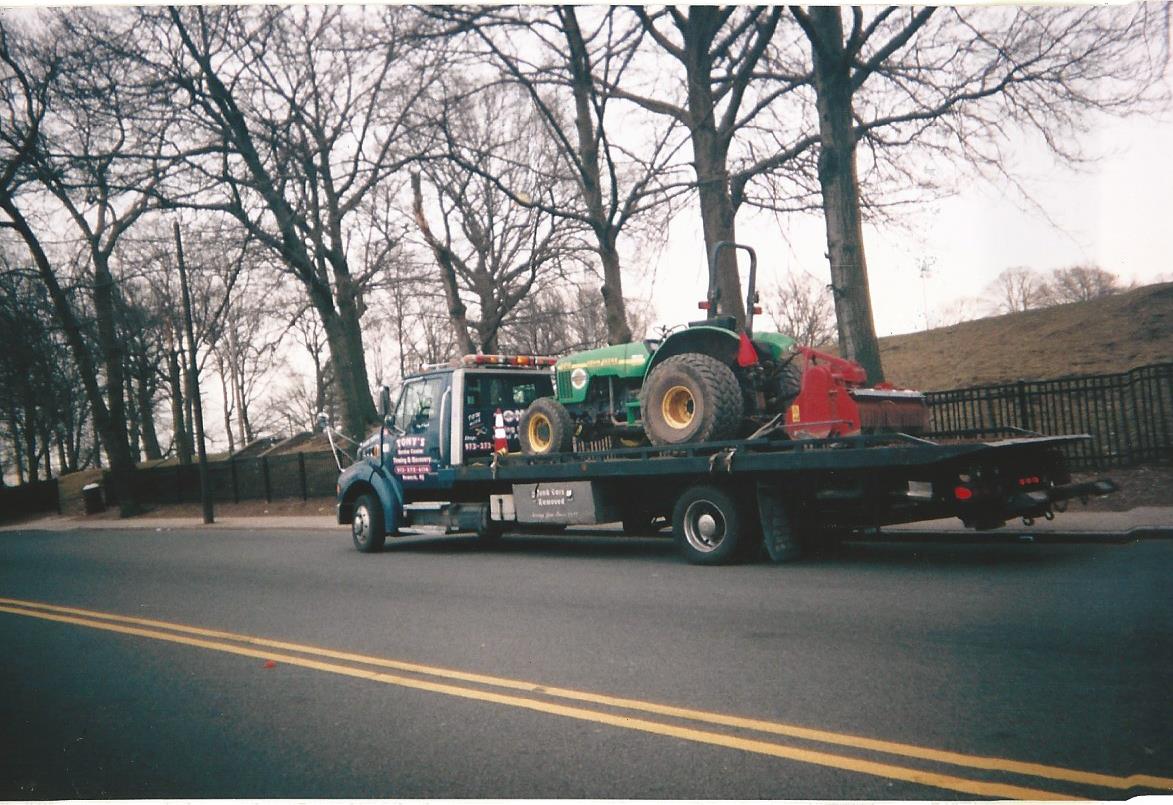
x,y
444,419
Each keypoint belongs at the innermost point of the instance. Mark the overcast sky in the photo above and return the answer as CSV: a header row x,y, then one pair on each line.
x,y
1116,214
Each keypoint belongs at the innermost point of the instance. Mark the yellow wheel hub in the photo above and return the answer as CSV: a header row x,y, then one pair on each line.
x,y
678,407
540,433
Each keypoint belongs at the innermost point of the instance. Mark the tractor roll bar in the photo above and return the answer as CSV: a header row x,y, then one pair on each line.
x,y
715,293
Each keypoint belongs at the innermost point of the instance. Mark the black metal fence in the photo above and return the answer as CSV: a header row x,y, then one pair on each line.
x,y
1129,415
36,497
293,475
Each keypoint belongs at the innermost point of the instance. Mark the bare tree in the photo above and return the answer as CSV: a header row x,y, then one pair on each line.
x,y
490,249
1081,284
301,113
1018,289
724,53
956,83
563,58
141,332
72,115
801,307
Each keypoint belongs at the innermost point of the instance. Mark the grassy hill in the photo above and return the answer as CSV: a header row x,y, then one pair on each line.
x,y
1107,335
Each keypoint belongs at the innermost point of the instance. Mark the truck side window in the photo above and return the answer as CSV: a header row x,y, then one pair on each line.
x,y
417,403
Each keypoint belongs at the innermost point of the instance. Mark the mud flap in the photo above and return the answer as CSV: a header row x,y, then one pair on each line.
x,y
781,542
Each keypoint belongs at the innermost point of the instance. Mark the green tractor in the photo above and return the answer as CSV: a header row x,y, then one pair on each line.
x,y
708,381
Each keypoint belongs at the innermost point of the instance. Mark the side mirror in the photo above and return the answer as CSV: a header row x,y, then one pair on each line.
x,y
384,401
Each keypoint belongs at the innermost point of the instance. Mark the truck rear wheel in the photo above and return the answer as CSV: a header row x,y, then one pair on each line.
x,y
779,538
709,525
690,398
545,427
367,529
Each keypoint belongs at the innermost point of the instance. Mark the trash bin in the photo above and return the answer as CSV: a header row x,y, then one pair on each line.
x,y
91,494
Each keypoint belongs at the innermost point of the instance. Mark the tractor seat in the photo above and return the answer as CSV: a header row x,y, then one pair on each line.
x,y
724,322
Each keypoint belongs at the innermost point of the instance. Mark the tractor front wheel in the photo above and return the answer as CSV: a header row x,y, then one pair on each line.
x,y
691,398
546,427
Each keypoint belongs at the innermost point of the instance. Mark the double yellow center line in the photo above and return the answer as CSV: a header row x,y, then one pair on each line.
x,y
632,714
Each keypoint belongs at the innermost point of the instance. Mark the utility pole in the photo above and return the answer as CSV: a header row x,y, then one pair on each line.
x,y
193,377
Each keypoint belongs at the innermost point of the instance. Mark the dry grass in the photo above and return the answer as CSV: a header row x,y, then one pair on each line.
x,y
1104,336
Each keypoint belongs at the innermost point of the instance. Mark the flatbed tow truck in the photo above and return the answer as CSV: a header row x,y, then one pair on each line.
x,y
447,456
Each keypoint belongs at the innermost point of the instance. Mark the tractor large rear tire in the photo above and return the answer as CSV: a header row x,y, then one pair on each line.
x,y
691,398
545,427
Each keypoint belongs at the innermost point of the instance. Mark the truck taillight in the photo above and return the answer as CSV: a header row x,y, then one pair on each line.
x,y
703,305
962,492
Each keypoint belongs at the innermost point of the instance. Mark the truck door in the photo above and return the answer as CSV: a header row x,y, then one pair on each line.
x,y
415,450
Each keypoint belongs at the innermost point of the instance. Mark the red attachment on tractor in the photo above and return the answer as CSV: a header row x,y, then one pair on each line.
x,y
823,406
834,402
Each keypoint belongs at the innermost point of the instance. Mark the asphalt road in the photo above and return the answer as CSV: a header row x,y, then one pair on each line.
x,y
188,663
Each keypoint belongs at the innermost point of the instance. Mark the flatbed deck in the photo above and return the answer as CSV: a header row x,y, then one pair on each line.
x,y
754,456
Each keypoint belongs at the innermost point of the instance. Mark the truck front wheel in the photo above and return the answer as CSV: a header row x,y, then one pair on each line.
x,y
545,427
366,529
709,525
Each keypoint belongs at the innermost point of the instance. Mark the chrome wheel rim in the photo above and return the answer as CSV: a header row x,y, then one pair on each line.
x,y
361,527
704,526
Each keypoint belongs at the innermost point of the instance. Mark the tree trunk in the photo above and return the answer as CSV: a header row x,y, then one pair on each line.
x,y
111,434
224,383
132,421
178,428
146,412
17,447
456,309
47,451
244,428
114,435
30,437
188,419
710,155
590,179
350,372
840,189
62,465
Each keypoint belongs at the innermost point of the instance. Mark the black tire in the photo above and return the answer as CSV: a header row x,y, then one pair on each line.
x,y
367,528
690,398
545,427
789,381
780,539
710,526
489,531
